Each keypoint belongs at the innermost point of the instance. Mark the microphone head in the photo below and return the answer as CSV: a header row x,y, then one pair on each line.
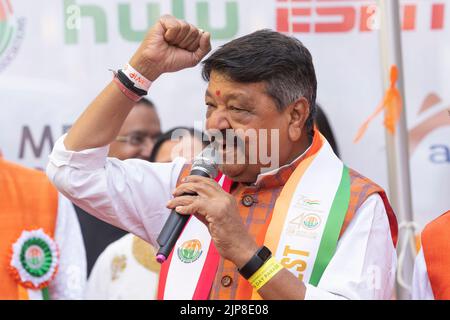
x,y
207,162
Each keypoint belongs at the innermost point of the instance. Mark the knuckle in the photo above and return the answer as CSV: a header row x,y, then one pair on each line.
x,y
165,17
194,32
176,25
184,25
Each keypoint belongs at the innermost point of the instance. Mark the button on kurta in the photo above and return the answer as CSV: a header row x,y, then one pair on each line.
x,y
248,200
226,281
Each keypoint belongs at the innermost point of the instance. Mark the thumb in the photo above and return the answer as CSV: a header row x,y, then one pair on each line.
x,y
170,27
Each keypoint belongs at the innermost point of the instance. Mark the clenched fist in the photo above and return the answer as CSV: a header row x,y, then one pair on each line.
x,y
169,46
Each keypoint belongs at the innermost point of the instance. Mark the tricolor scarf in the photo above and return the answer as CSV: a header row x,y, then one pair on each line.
x,y
302,232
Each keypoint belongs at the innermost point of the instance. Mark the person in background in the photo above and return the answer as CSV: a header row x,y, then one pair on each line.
x,y
138,133
135,140
431,277
41,248
127,269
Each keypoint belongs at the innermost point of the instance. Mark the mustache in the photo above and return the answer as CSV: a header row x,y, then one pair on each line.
x,y
224,137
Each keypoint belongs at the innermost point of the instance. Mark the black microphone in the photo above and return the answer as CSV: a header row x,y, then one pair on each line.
x,y
204,165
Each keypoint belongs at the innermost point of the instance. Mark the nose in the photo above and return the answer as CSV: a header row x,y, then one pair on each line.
x,y
146,149
218,120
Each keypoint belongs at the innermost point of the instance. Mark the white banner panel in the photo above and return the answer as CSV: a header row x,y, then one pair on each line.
x,y
55,56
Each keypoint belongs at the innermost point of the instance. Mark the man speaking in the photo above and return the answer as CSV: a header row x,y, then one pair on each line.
x,y
310,228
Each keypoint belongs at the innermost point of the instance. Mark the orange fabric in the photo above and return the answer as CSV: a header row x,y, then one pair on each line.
x,y
27,201
22,293
436,250
361,188
392,104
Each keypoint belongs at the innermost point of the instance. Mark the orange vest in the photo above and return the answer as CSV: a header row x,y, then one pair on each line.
x,y
27,201
436,250
360,189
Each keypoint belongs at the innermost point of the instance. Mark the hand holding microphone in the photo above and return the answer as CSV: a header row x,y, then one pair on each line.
x,y
204,165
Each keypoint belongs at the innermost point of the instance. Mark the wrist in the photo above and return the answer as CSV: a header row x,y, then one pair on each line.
x,y
145,67
244,255
257,260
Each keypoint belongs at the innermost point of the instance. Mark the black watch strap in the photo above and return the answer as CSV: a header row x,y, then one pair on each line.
x,y
258,259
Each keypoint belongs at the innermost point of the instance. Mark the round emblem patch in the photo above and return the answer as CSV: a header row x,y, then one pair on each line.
x,y
34,259
12,33
190,251
311,221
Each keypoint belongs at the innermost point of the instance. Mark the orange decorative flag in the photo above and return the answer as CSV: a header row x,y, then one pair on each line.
x,y
392,105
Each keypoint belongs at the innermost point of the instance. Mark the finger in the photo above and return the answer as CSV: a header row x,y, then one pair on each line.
x,y
199,179
180,201
190,37
197,208
194,45
204,46
188,209
192,211
182,34
200,189
204,180
171,27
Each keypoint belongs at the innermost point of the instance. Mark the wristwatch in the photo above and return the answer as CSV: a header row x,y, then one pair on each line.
x,y
259,258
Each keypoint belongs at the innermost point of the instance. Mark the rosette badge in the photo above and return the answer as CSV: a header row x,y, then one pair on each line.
x,y
34,260
12,33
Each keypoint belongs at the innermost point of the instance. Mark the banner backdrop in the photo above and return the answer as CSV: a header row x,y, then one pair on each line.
x,y
55,56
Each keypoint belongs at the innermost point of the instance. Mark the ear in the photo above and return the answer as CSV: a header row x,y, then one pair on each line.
x,y
299,112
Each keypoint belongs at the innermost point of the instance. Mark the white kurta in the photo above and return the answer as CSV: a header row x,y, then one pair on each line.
x,y
118,274
133,194
70,281
421,286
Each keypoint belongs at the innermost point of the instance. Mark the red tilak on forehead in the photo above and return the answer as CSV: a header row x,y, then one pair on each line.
x,y
218,93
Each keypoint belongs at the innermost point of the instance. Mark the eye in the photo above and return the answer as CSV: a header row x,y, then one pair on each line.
x,y
137,140
233,108
210,105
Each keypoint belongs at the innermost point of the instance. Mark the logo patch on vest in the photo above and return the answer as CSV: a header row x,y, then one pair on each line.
x,y
190,251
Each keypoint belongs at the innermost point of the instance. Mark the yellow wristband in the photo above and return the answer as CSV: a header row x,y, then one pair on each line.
x,y
267,271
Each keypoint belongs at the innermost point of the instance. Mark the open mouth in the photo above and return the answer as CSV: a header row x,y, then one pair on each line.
x,y
228,148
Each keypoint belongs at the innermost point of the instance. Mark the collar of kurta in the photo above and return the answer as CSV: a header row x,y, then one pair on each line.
x,y
277,177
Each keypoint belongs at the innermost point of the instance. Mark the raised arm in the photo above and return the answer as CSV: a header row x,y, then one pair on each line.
x,y
128,194
169,46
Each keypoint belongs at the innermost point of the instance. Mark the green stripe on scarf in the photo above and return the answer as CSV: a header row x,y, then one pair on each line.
x,y
333,228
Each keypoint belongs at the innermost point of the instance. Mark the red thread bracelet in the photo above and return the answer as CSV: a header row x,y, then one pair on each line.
x,y
127,92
